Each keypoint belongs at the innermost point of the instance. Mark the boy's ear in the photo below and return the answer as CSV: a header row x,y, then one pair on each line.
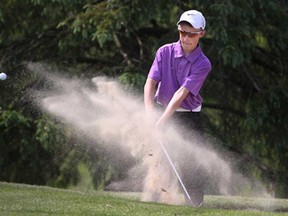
x,y
202,33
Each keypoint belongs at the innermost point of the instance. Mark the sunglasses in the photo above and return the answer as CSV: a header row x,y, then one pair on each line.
x,y
189,34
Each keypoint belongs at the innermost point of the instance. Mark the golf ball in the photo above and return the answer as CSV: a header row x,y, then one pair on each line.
x,y
3,76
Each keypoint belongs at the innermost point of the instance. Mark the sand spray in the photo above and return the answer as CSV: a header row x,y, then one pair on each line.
x,y
114,118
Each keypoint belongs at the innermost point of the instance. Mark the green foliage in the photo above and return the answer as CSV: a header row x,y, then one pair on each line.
x,y
269,142
21,154
133,81
32,151
68,171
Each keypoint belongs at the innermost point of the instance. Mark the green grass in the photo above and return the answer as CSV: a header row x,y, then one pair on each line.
x,y
19,199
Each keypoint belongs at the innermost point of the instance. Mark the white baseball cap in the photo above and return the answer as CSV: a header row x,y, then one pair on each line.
x,y
194,17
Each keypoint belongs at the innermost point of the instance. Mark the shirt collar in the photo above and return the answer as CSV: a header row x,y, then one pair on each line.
x,y
191,57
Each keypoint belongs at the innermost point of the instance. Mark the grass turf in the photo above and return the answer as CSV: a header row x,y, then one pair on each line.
x,y
19,199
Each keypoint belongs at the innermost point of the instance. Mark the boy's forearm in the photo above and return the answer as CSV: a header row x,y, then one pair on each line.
x,y
149,92
173,105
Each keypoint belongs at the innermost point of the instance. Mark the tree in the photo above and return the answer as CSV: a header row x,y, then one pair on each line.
x,y
250,65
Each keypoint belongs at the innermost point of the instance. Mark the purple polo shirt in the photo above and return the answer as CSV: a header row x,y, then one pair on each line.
x,y
172,69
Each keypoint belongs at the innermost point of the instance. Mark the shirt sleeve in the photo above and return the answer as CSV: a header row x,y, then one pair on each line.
x,y
195,81
156,68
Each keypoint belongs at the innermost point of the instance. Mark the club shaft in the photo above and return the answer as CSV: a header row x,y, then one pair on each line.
x,y
175,170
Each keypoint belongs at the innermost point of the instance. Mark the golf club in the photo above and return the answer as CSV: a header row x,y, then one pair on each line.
x,y
175,171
